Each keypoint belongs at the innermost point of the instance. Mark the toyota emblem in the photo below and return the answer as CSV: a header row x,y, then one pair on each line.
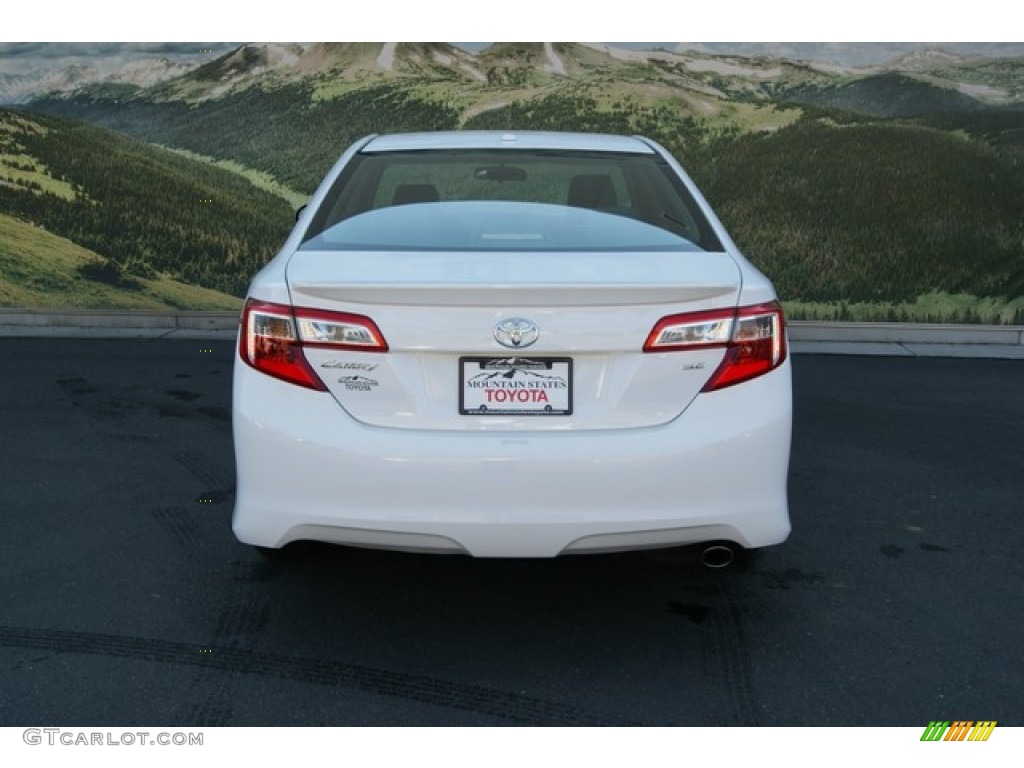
x,y
516,333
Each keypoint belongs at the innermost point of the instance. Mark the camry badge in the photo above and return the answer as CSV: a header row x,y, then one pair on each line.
x,y
516,333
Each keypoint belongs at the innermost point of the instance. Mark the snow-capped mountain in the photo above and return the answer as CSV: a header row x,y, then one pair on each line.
x,y
23,88
926,61
148,72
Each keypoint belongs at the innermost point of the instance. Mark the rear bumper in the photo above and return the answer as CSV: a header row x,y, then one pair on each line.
x,y
309,471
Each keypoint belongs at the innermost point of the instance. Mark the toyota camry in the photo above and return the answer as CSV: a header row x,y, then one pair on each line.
x,y
518,344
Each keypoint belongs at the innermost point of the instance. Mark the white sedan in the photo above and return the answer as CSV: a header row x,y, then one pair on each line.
x,y
511,345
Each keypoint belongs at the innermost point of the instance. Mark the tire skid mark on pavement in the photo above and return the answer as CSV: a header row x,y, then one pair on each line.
x,y
214,685
206,469
512,707
207,715
726,659
244,612
180,525
93,401
115,402
245,617
219,480
211,689
76,386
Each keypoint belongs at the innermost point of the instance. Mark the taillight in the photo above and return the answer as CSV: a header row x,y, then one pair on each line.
x,y
273,336
754,339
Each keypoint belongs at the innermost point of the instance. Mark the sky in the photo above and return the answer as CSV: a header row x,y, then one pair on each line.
x,y
801,20
752,20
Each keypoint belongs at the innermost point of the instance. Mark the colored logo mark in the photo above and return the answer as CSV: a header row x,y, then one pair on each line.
x,y
959,730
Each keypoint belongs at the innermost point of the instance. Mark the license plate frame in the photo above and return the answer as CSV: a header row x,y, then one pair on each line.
x,y
515,386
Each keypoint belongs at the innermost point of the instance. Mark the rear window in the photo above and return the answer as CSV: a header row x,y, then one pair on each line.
x,y
509,200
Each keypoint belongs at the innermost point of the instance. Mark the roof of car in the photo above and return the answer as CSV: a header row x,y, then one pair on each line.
x,y
593,142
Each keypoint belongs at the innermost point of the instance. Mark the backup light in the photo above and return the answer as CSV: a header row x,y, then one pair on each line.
x,y
339,329
697,329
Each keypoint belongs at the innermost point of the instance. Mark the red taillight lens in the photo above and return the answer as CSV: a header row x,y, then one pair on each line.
x,y
758,346
273,336
754,338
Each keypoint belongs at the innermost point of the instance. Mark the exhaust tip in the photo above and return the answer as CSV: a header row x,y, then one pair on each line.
x,y
718,555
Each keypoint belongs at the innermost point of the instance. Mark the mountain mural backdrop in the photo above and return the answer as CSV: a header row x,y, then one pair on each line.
x,y
893,191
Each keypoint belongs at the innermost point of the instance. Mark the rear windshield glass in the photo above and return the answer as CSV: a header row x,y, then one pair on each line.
x,y
509,200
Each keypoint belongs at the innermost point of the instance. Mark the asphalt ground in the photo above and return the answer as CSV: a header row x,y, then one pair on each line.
x,y
126,601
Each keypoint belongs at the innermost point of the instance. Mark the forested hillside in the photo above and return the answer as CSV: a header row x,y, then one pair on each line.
x,y
283,131
41,270
873,211
143,209
887,95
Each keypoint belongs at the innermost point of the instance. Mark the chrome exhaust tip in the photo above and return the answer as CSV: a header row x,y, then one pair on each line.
x,y
718,555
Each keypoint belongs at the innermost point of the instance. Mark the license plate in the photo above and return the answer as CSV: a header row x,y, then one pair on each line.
x,y
515,386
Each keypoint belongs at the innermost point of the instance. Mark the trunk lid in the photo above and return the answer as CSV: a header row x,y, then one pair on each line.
x,y
439,312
